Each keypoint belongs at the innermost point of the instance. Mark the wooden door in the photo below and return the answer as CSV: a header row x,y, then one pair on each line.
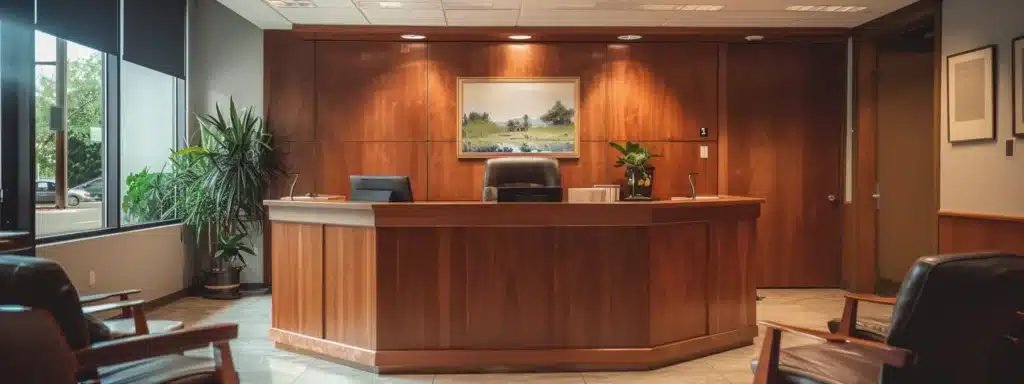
x,y
907,183
786,113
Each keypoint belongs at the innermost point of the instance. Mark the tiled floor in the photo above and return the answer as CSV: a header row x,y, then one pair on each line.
x,y
259,362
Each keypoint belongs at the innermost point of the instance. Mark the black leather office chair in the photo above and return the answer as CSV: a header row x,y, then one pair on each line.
x,y
952,314
519,172
30,286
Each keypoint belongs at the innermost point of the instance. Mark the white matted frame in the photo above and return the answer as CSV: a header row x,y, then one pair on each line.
x,y
971,95
1017,69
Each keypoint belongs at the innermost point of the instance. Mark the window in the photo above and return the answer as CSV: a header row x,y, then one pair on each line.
x,y
70,129
149,131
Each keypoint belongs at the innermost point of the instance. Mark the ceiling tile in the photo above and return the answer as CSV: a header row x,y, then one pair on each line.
x,y
349,15
408,21
258,13
480,4
333,3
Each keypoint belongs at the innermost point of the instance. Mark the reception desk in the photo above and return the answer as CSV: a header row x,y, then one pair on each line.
x,y
472,286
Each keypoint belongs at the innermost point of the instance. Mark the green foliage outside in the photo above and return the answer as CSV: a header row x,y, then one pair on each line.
x,y
84,112
148,197
558,134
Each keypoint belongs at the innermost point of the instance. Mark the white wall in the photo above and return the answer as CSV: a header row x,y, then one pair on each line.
x,y
978,177
226,60
152,260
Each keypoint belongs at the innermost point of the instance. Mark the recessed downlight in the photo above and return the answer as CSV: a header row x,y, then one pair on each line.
x,y
413,37
520,37
754,38
630,37
390,4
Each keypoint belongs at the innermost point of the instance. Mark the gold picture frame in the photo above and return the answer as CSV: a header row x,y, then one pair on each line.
x,y
489,122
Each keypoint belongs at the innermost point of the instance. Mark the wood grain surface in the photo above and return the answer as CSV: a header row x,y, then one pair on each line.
x,y
970,232
445,277
786,121
298,266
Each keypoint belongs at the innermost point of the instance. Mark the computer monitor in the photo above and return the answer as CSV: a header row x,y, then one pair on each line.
x,y
395,189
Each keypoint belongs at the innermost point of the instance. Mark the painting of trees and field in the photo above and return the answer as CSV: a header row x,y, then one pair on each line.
x,y
530,116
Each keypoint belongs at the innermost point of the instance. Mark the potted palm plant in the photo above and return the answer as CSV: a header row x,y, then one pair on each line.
x,y
219,186
639,171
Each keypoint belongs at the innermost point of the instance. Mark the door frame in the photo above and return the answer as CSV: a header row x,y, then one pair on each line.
x,y
860,248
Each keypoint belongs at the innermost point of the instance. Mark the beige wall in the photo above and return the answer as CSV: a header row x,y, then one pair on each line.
x,y
150,259
978,177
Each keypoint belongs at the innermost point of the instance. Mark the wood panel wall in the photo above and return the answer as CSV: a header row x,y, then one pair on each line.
x,y
967,232
348,107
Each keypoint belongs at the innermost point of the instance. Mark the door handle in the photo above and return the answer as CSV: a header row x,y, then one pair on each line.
x,y
875,196
831,197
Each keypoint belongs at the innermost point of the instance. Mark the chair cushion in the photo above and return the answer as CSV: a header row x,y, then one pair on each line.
x,y
868,328
828,363
126,327
175,369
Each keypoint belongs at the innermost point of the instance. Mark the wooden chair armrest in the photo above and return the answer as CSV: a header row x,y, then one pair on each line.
x,y
871,298
849,321
132,308
893,356
89,309
148,346
123,295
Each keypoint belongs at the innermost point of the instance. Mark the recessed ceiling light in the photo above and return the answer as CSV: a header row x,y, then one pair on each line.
x,y
413,37
390,4
520,37
697,7
630,37
754,38
467,4
826,8
291,3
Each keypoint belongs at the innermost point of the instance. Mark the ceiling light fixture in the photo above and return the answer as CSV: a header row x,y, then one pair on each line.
x,y
826,8
520,37
291,3
701,8
413,37
630,37
390,4
754,38
659,7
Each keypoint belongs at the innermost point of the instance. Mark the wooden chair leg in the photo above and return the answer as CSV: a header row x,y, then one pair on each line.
x,y
849,321
226,373
768,361
125,312
139,315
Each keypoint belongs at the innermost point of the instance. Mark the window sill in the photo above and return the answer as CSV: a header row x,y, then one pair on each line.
x,y
102,232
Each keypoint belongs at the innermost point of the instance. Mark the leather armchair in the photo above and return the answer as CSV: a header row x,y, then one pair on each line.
x,y
132,320
519,172
42,285
951,314
34,351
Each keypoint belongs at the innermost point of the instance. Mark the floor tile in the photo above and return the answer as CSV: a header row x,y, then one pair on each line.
x,y
258,361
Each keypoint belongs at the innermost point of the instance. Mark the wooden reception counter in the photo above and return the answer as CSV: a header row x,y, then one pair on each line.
x,y
472,286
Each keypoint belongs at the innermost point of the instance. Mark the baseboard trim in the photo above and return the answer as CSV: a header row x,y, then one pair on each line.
x,y
472,361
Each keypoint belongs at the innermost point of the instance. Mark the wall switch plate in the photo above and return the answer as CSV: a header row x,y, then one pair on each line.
x,y
1009,147
703,151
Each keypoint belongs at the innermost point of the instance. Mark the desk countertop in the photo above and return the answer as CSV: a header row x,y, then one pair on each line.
x,y
475,213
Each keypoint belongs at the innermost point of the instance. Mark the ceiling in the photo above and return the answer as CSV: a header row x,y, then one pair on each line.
x,y
560,13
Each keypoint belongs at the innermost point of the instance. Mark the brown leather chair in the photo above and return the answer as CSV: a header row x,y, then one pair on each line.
x,y
34,351
519,172
977,295
132,320
43,285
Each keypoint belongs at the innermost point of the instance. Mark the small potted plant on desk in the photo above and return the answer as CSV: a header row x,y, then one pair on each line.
x,y
639,171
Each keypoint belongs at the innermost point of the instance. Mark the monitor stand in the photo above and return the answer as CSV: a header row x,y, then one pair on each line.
x,y
371,196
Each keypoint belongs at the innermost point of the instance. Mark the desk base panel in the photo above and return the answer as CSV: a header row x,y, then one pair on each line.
x,y
490,361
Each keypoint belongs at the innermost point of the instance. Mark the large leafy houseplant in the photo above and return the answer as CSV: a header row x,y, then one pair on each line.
x,y
639,172
143,201
219,186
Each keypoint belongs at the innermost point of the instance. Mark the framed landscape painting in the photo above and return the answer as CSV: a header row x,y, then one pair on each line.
x,y
971,95
501,117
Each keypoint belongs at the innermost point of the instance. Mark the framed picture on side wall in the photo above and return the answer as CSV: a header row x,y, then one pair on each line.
x,y
1018,86
519,117
971,95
